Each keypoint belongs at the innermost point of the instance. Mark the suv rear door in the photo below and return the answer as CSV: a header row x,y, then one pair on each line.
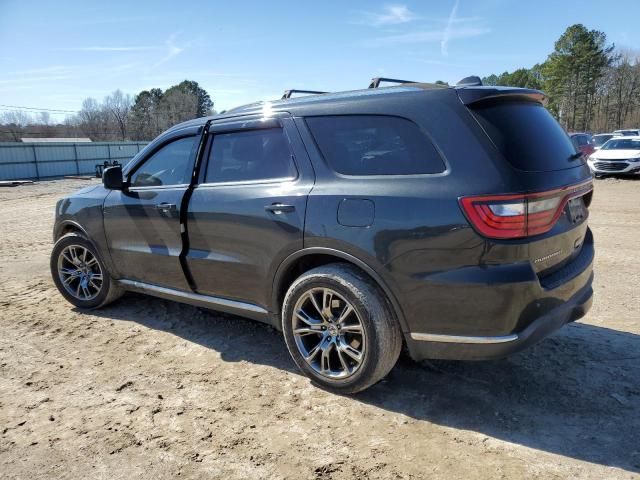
x,y
247,212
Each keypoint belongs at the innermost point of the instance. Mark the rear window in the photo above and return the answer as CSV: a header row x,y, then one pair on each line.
x,y
374,145
527,135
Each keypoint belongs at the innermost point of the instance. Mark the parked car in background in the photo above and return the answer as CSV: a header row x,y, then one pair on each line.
x,y
601,138
619,155
582,142
629,132
355,222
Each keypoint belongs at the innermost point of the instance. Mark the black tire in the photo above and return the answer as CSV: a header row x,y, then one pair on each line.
x,y
383,337
109,291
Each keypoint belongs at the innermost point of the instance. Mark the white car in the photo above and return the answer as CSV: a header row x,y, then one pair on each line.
x,y
629,132
619,155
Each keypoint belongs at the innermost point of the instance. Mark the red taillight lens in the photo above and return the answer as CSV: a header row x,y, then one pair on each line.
x,y
520,215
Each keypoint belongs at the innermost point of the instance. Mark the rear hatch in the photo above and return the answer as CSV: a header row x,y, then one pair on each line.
x,y
550,210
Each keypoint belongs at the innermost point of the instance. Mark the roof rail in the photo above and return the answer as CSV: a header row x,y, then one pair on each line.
x,y
376,81
288,93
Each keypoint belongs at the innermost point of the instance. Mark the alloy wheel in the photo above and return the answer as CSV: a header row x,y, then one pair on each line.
x,y
80,272
329,333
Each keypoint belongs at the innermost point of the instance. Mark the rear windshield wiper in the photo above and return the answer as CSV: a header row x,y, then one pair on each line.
x,y
575,156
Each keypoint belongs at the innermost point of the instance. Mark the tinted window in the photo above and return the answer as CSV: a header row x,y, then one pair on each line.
x,y
527,135
581,140
374,145
600,139
171,165
249,156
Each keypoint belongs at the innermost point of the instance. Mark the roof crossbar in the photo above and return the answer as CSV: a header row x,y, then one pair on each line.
x,y
288,93
376,81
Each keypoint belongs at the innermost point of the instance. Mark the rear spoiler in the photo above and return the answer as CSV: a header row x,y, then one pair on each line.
x,y
481,95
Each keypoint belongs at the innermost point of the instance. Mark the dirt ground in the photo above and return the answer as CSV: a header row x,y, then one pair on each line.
x,y
152,389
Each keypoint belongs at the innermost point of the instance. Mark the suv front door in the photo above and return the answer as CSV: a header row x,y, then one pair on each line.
x,y
247,213
142,223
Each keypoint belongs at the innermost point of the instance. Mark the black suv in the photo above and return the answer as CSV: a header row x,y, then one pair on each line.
x,y
451,220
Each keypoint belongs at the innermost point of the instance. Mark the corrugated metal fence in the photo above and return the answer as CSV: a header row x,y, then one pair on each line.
x,y
48,160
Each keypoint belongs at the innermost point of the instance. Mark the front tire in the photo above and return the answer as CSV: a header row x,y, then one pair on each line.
x,y
80,274
340,329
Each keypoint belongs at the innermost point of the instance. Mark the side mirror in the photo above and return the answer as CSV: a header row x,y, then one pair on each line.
x,y
112,178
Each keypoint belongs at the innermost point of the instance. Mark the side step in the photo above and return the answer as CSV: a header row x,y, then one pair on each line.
x,y
234,307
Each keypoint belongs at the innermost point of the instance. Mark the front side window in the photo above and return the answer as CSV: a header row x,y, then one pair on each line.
x,y
250,156
171,165
374,145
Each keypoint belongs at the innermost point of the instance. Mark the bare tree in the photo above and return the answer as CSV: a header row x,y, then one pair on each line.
x,y
13,123
91,119
119,106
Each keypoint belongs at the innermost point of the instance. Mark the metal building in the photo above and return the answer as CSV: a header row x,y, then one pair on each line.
x,y
37,161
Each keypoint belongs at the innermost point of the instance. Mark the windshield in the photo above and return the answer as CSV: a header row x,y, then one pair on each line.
x,y
622,144
599,140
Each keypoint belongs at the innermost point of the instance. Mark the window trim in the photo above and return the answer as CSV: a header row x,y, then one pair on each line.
x,y
251,128
138,165
441,155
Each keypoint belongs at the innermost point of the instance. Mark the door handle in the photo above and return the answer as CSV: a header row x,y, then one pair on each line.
x,y
166,207
279,208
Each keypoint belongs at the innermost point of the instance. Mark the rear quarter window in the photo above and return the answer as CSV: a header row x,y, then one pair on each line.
x,y
361,145
527,135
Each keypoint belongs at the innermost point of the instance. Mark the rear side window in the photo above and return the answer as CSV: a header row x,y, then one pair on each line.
x,y
250,156
527,136
374,145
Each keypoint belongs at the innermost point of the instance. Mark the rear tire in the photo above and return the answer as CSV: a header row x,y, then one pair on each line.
x,y
80,274
340,329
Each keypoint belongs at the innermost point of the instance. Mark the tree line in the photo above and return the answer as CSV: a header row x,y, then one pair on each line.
x,y
591,85
118,117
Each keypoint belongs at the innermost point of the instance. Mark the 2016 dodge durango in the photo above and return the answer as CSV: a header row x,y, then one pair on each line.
x,y
452,220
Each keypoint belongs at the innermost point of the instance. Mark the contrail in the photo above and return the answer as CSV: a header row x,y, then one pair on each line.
x,y
444,43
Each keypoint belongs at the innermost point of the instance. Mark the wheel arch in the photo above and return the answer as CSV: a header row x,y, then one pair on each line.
x,y
303,260
68,226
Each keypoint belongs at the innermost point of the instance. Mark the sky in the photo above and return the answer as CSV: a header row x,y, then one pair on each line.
x,y
54,54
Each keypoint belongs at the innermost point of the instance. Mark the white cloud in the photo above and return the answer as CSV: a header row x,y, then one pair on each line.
x,y
172,50
428,36
390,15
441,30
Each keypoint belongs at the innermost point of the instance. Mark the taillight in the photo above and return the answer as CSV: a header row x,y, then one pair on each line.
x,y
520,215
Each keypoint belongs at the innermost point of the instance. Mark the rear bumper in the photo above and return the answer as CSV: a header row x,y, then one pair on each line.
x,y
505,313
423,346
